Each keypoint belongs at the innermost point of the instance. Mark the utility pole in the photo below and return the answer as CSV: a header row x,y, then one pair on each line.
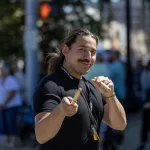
x,y
128,24
101,8
130,94
31,48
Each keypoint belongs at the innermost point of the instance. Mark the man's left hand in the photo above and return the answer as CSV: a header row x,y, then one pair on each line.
x,y
107,89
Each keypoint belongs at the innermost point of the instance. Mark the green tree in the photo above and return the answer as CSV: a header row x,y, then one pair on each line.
x,y
11,29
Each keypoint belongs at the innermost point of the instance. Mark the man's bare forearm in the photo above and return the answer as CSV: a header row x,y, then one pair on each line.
x,y
116,114
49,126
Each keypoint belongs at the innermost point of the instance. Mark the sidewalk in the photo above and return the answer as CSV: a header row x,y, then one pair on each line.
x,y
132,133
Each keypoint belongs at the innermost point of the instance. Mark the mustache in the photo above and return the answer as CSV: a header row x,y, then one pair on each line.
x,y
84,60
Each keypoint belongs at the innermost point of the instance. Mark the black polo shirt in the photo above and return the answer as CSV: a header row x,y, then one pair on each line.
x,y
74,133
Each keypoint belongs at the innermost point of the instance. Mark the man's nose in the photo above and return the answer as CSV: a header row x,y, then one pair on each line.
x,y
88,55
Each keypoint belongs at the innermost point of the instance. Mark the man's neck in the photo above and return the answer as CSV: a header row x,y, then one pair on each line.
x,y
74,74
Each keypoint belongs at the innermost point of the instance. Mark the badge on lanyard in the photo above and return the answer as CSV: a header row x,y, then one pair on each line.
x,y
94,134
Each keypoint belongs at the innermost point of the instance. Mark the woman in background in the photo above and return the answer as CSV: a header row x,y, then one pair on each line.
x,y
10,101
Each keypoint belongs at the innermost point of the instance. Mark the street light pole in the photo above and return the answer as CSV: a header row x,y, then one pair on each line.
x,y
128,24
130,93
31,48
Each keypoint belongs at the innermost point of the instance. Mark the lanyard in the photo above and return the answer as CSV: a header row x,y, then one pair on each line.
x,y
67,73
89,104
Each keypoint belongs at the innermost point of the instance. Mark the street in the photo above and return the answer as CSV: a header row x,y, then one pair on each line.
x,y
131,140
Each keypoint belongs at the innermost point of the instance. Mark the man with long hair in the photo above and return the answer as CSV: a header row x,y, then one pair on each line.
x,y
61,123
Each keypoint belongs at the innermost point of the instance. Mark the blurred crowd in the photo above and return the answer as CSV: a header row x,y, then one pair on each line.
x,y
16,117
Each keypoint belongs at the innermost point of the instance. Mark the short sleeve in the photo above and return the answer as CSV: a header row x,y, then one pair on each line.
x,y
46,97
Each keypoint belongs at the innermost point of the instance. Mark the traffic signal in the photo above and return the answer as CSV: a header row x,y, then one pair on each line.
x,y
45,10
48,9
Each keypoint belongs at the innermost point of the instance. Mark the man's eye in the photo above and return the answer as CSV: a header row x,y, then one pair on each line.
x,y
82,50
93,52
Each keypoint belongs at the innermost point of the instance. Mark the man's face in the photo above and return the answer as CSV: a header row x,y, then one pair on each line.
x,y
81,56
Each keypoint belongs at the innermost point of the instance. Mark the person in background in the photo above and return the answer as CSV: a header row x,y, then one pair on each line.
x,y
17,71
145,128
10,101
118,75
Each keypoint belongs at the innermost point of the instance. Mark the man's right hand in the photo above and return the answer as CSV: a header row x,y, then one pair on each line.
x,y
67,107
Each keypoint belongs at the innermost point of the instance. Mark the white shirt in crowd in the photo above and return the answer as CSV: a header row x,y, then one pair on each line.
x,y
10,84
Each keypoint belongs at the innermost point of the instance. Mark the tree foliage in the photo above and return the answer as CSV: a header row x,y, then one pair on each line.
x,y
11,29
72,14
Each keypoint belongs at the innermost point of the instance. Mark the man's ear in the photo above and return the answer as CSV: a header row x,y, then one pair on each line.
x,y
65,49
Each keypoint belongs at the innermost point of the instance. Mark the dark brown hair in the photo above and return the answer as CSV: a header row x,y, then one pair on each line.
x,y
56,59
